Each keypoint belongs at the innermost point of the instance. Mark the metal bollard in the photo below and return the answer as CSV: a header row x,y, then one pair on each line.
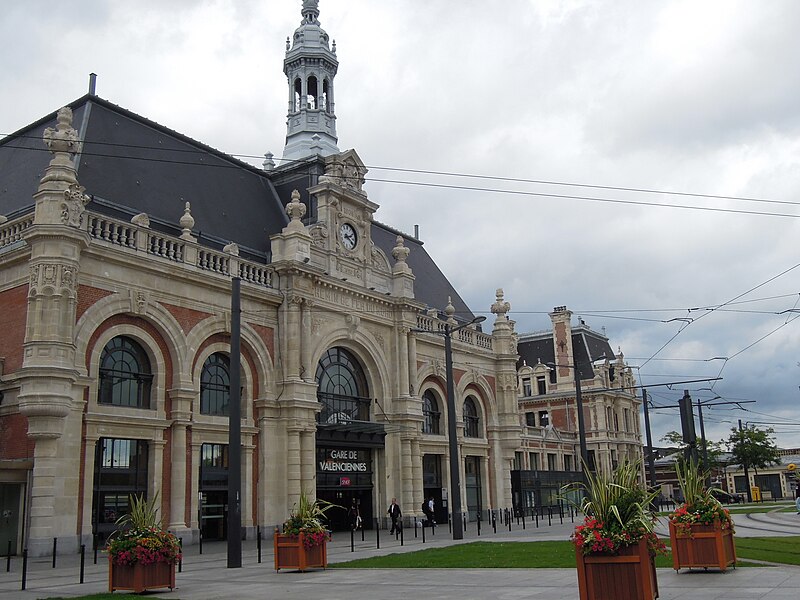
x,y
24,567
401,532
200,541
95,544
549,516
258,542
464,518
180,561
352,540
55,547
8,558
416,526
523,519
479,524
508,518
536,516
494,522
377,534
423,532
83,559
450,518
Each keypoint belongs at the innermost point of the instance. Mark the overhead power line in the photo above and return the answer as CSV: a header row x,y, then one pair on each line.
x,y
517,192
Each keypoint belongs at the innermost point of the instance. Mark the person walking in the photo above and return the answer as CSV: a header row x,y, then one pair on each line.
x,y
395,514
354,515
428,509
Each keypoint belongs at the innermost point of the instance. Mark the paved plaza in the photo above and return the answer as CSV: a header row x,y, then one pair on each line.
x,y
205,577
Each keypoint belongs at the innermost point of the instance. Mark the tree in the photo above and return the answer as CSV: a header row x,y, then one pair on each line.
x,y
753,447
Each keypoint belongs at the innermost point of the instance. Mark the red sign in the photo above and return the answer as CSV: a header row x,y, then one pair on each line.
x,y
345,481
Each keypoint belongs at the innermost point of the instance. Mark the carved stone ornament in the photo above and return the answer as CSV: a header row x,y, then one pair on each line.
x,y
353,321
140,300
295,209
319,233
500,307
232,249
400,254
73,206
64,138
142,220
68,279
186,223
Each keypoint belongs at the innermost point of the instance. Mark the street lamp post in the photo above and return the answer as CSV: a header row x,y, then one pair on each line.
x,y
452,434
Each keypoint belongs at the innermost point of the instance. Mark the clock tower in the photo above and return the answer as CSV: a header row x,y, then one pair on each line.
x,y
310,67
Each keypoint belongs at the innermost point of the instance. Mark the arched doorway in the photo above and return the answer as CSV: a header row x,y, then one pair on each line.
x,y
347,437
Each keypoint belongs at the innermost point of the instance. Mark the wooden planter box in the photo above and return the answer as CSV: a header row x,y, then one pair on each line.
x,y
629,575
290,553
139,578
707,546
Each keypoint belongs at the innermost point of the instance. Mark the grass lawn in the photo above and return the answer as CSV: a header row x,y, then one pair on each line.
x,y
552,554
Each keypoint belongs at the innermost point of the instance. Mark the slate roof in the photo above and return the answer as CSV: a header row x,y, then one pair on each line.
x,y
131,165
587,346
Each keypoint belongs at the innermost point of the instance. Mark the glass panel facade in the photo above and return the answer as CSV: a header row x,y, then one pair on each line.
x,y
120,472
215,385
431,413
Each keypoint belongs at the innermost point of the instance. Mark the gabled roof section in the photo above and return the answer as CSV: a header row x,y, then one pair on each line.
x,y
587,346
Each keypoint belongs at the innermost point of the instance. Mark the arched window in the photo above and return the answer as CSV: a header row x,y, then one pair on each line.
x,y
430,412
298,92
312,92
125,376
471,419
342,387
215,385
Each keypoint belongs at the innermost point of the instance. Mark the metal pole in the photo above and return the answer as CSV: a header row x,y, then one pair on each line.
x,y
234,434
746,473
83,560
703,437
455,484
651,459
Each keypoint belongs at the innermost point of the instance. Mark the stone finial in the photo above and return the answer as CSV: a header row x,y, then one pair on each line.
x,y
232,249
500,307
186,223
333,48
269,164
450,310
142,220
400,254
502,324
288,43
64,138
296,211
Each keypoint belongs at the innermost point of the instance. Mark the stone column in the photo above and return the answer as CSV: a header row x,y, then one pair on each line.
x,y
293,461
181,416
402,353
293,338
407,476
308,462
247,486
416,468
412,365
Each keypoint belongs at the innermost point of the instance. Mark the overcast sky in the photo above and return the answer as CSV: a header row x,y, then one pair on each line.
x,y
692,96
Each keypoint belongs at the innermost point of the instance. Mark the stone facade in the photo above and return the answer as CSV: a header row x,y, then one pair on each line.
x,y
116,321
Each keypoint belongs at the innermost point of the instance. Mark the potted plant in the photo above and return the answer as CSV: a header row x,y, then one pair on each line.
x,y
700,529
303,542
141,555
615,546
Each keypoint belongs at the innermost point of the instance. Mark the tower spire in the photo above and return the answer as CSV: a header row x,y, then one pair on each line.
x,y
310,67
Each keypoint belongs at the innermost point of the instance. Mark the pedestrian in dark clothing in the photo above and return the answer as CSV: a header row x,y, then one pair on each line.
x,y
354,515
428,509
395,514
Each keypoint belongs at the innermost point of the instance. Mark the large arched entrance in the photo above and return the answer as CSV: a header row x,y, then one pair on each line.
x,y
347,438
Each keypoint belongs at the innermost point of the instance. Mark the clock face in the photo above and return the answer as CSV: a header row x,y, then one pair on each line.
x,y
348,235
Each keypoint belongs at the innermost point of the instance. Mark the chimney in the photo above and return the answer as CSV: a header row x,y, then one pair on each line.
x,y
92,84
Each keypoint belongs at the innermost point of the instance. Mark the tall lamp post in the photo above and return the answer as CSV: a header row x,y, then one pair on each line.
x,y
452,434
